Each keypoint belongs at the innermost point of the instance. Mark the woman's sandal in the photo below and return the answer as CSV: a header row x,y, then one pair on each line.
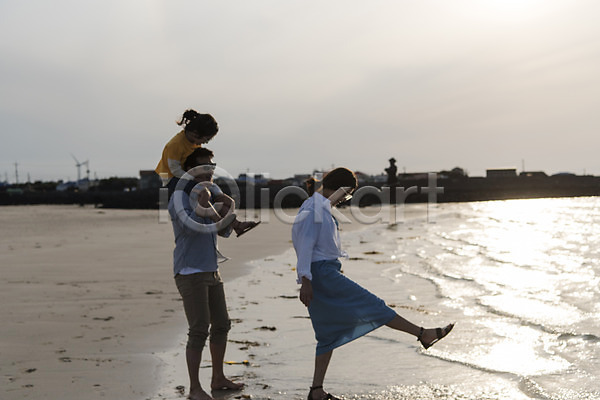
x,y
438,332
328,396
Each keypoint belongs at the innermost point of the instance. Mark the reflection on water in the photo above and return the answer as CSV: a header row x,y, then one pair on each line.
x,y
520,278
525,275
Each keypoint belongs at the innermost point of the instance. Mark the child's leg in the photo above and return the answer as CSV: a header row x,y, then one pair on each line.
x,y
227,205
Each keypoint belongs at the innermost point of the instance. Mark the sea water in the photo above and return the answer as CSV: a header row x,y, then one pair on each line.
x,y
520,278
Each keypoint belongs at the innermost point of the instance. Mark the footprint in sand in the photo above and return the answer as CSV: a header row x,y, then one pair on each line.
x,y
266,328
104,319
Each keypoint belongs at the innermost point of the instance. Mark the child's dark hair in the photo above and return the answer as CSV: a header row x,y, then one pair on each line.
x,y
333,180
202,124
190,161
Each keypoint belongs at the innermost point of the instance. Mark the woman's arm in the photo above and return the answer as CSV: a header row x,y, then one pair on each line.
x,y
306,293
304,238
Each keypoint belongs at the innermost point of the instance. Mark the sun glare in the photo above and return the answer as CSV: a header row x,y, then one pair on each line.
x,y
522,234
510,10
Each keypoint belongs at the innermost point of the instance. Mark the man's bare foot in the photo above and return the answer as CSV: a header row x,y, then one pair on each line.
x,y
199,394
225,384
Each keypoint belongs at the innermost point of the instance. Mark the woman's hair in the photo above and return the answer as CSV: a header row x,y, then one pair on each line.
x,y
202,124
333,180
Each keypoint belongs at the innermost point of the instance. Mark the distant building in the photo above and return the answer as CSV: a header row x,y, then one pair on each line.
x,y
501,173
565,174
533,174
149,179
414,176
84,184
255,179
299,179
362,177
64,186
379,179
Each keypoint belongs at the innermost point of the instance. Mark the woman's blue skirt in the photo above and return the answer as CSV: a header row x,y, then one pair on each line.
x,y
341,310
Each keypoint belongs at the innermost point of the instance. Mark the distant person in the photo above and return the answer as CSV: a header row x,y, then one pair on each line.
x,y
195,267
198,129
392,172
340,310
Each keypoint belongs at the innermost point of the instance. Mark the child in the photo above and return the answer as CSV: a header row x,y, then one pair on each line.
x,y
198,129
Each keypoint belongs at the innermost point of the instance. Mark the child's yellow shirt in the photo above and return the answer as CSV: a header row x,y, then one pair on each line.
x,y
174,155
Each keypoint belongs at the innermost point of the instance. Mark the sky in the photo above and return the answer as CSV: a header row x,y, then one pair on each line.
x,y
301,85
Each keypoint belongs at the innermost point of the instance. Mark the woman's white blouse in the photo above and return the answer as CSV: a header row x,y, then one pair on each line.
x,y
315,235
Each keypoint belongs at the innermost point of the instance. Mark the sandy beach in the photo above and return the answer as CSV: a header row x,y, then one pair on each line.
x,y
90,309
89,306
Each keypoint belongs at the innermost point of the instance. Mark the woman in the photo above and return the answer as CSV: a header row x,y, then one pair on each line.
x,y
340,310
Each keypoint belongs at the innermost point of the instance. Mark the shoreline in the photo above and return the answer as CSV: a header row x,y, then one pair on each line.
x,y
247,254
90,304
258,300
272,344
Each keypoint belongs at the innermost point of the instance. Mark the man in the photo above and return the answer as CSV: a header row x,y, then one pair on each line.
x,y
196,272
